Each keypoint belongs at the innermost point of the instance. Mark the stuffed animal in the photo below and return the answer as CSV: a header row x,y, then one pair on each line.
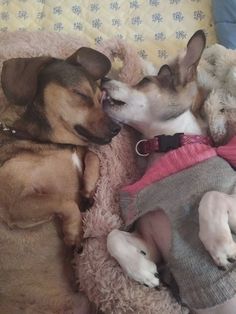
x,y
220,112
218,69
217,73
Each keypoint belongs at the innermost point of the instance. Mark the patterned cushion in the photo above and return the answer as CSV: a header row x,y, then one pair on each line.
x,y
156,27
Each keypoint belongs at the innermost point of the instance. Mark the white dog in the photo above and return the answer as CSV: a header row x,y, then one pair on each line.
x,y
187,196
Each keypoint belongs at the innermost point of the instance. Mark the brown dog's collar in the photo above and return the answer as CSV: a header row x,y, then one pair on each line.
x,y
24,135
164,143
19,134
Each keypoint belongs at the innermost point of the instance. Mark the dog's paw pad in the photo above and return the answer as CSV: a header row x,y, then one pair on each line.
x,y
86,203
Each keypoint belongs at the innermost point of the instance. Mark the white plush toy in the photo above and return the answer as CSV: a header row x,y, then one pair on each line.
x,y
217,73
218,68
220,111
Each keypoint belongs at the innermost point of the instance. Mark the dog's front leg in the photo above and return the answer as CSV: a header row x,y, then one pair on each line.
x,y
232,213
90,176
214,230
133,256
30,210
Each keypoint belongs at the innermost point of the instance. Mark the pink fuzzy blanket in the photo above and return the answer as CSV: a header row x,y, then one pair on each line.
x,y
99,275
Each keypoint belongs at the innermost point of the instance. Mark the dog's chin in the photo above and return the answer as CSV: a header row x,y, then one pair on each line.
x,y
89,137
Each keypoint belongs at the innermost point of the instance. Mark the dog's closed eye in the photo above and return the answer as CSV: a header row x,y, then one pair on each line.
x,y
77,92
85,97
119,102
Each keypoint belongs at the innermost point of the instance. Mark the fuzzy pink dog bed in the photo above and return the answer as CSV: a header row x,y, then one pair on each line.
x,y
99,275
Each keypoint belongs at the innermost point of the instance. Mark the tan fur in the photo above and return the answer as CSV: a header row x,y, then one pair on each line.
x,y
35,265
58,100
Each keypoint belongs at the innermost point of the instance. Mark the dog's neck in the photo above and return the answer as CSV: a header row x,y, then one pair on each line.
x,y
185,123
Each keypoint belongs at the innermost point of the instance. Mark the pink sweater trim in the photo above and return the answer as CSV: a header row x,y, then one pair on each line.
x,y
171,163
228,151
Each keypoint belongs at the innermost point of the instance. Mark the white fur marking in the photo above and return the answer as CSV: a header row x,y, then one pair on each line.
x,y
77,162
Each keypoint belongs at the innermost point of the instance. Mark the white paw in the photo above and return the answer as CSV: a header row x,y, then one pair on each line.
x,y
133,259
140,268
224,255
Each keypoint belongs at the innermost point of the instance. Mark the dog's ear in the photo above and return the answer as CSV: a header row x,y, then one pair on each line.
x,y
165,76
189,62
94,62
19,78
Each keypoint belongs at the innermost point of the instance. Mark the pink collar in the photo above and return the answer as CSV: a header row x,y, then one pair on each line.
x,y
164,143
182,158
172,162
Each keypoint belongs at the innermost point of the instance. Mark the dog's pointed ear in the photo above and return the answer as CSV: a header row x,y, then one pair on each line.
x,y
19,78
165,76
93,61
194,50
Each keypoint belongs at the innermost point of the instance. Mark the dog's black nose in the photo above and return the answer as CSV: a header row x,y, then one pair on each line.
x,y
104,80
115,128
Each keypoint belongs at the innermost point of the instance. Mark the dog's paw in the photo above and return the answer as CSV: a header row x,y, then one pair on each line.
x,y
133,259
86,203
142,270
72,240
225,256
73,235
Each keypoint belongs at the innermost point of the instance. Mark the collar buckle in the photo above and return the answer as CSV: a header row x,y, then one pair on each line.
x,y
169,142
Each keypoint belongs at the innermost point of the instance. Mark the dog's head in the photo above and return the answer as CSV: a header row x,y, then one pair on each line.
x,y
63,100
159,98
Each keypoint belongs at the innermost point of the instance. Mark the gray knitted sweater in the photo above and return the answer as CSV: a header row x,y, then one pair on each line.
x,y
178,191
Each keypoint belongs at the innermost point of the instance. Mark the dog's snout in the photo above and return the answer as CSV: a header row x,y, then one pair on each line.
x,y
115,128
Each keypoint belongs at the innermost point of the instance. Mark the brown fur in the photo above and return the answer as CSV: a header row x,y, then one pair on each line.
x,y
40,182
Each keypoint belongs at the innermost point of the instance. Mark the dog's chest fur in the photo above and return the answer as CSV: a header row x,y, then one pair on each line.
x,y
56,170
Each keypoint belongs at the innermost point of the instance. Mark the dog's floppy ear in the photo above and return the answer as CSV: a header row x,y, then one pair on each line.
x,y
94,62
19,78
188,64
165,76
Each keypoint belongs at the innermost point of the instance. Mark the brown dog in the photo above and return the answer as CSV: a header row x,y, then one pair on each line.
x,y
45,167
